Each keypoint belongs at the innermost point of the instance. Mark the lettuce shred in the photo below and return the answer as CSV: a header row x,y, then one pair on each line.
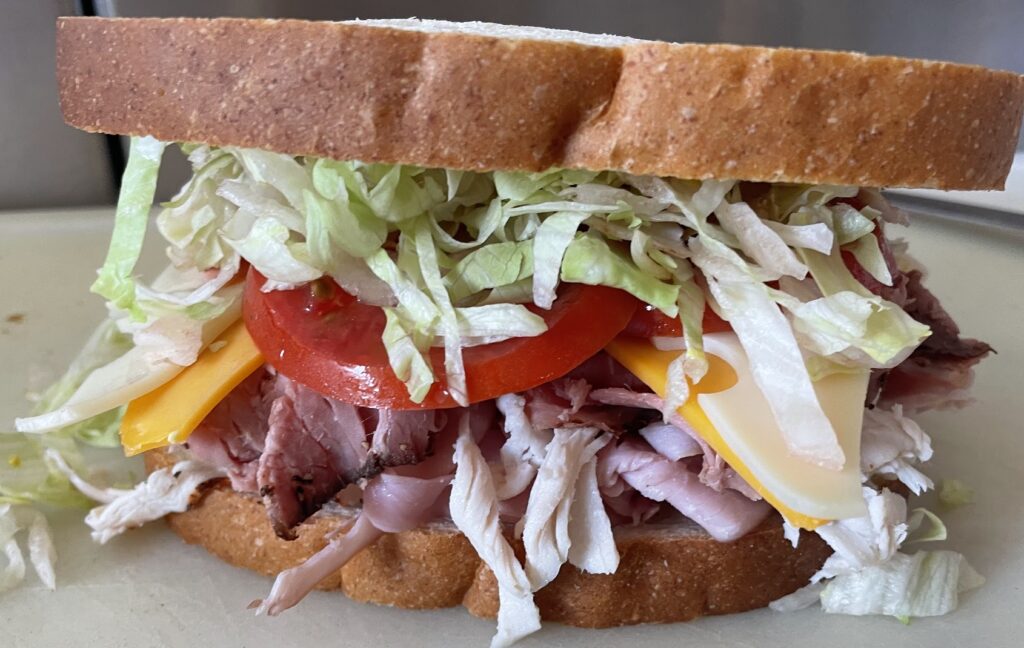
x,y
457,240
448,254
457,259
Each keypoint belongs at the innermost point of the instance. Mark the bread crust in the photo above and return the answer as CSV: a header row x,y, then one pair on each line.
x,y
466,101
666,574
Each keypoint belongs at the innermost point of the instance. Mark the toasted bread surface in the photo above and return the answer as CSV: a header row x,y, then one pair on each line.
x,y
441,95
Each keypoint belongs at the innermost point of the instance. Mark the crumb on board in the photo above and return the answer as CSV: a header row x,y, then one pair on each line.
x,y
15,318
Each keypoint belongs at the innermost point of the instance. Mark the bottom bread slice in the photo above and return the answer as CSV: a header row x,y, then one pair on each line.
x,y
666,573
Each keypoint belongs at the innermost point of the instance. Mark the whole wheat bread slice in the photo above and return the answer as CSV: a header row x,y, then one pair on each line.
x,y
484,97
666,573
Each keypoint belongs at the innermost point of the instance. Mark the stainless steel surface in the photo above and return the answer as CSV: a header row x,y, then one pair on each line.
x,y
1012,224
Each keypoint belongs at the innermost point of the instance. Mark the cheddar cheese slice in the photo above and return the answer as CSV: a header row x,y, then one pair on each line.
x,y
169,413
729,412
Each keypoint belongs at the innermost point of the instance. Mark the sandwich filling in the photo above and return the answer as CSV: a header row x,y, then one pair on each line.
x,y
536,358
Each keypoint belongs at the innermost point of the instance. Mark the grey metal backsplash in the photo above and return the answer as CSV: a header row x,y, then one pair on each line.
x,y
984,32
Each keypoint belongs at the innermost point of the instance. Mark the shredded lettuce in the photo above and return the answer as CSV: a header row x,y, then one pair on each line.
x,y
42,554
133,374
455,370
589,260
431,245
778,369
553,238
927,583
491,266
103,346
25,475
855,329
344,224
429,242
758,241
953,493
692,364
189,222
925,526
13,571
410,364
115,281
281,172
490,323
817,236
397,196
284,262
875,328
848,223
869,255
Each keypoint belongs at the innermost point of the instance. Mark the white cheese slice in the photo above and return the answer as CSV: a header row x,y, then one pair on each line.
x,y
742,417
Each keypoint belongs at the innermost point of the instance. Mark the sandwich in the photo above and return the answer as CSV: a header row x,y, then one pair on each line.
x,y
550,325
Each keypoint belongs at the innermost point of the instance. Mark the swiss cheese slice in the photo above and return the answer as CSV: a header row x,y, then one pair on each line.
x,y
729,412
169,413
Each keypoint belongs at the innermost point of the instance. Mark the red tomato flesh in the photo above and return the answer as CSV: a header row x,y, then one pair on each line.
x,y
325,339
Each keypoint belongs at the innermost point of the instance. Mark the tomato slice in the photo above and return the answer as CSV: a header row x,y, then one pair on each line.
x,y
325,339
650,322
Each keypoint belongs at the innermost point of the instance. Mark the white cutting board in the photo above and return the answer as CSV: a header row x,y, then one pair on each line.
x,y
149,589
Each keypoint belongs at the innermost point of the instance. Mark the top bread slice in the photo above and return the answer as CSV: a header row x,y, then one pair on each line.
x,y
485,97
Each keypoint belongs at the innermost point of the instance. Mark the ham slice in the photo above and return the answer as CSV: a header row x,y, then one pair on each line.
x,y
292,585
677,440
564,403
396,503
628,506
670,441
621,397
725,515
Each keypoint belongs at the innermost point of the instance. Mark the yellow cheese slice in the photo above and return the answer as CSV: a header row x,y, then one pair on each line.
x,y
729,412
169,413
